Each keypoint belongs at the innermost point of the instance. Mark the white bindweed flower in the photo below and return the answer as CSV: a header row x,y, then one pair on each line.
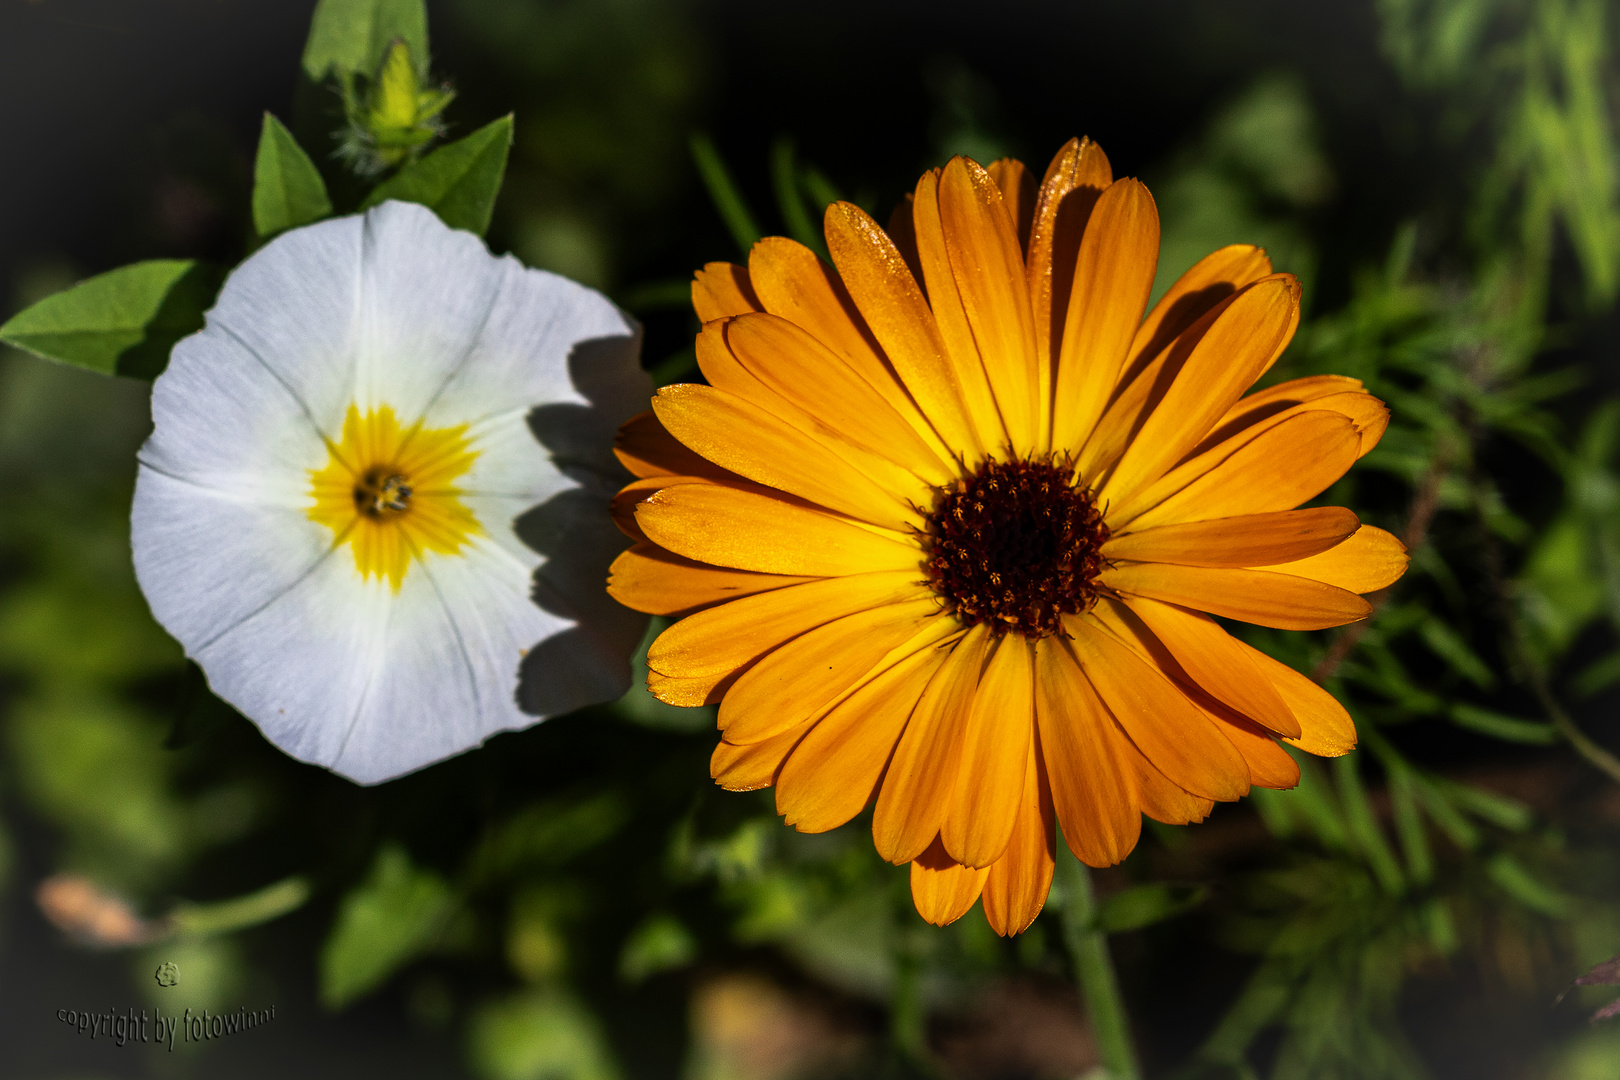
x,y
373,506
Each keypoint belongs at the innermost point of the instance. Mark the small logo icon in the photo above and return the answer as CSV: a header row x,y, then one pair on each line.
x,y
167,974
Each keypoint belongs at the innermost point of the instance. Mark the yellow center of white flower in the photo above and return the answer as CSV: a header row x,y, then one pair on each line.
x,y
388,493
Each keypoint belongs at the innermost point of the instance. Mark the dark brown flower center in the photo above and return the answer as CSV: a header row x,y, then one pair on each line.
x,y
1016,545
382,493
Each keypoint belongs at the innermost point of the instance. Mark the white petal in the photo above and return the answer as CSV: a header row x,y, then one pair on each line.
x,y
453,645
302,666
293,306
206,561
226,422
392,308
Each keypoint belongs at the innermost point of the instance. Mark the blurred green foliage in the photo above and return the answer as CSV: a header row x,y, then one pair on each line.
x,y
560,898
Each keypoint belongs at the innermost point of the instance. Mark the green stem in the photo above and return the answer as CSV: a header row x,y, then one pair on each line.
x,y
227,916
1094,968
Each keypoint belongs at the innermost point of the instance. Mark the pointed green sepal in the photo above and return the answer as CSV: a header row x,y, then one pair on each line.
x,y
287,188
123,322
459,181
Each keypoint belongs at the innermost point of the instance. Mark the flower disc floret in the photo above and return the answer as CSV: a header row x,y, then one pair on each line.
x,y
1017,545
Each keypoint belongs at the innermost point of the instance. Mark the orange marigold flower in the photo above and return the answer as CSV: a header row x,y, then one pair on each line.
x,y
943,528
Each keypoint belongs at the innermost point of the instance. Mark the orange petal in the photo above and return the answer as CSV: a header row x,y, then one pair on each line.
x,y
1177,323
950,314
943,890
798,680
728,526
1370,560
1325,727
721,289
648,578
1113,276
645,447
819,465
1253,596
719,640
1367,415
893,306
1180,741
1163,800
1240,344
922,773
1253,408
754,766
623,505
834,772
1270,766
794,284
829,390
1074,180
701,690
1017,187
1276,470
1093,790
1016,888
1246,540
988,264
980,815
1210,280
1208,656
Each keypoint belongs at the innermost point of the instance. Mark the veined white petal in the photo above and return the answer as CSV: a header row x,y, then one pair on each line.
x,y
511,461
207,561
391,309
426,292
452,648
293,307
302,665
224,421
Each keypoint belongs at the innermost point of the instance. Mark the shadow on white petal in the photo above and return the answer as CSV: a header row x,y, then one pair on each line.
x,y
572,531
590,661
607,373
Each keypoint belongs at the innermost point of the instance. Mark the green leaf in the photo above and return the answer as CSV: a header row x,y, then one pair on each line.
x,y
789,200
1450,647
660,943
723,190
352,35
1499,810
395,915
1363,827
123,322
539,1035
1527,889
1144,905
1506,728
458,181
287,188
